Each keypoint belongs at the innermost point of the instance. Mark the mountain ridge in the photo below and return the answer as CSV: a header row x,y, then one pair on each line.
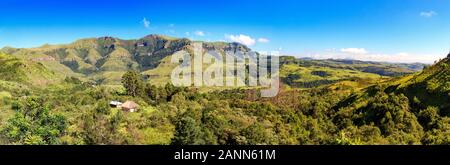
x,y
105,59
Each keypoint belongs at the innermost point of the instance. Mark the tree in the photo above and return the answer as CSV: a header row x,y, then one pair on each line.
x,y
34,124
188,132
430,119
256,134
101,126
133,83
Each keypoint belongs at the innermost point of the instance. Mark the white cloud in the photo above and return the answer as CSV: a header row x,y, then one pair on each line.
x,y
354,50
243,39
401,57
199,33
428,14
146,23
263,40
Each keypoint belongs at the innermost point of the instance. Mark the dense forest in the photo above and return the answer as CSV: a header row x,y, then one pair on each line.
x,y
326,103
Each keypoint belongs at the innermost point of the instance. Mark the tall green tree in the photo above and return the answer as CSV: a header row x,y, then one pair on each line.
x,y
133,83
188,131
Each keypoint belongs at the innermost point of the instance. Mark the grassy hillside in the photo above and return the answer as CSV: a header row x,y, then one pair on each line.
x,y
313,76
411,106
27,72
380,68
430,87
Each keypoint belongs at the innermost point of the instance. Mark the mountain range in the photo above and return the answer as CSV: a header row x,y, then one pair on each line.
x,y
105,59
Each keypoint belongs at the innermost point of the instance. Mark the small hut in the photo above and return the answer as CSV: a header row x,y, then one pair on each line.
x,y
130,106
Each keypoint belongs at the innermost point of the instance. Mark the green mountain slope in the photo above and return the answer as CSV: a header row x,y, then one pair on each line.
x,y
428,88
28,72
313,76
411,106
431,87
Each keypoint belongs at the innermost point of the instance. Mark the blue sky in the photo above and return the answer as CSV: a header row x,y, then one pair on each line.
x,y
383,30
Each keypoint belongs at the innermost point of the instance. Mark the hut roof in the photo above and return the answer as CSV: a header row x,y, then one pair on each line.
x,y
130,105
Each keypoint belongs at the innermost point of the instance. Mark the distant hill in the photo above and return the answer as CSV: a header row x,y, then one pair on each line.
x,y
380,68
313,76
308,72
